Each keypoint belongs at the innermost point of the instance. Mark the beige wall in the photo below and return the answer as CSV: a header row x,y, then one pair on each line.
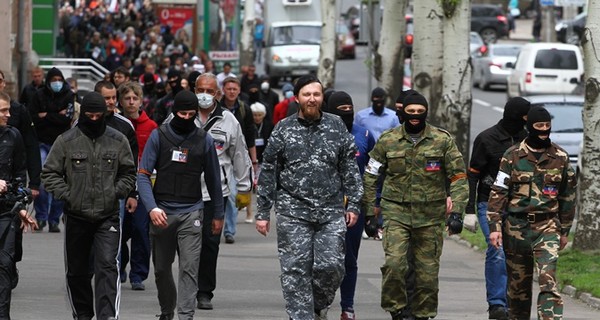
x,y
9,51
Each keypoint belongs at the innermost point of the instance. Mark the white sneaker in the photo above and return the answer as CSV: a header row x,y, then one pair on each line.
x,y
364,235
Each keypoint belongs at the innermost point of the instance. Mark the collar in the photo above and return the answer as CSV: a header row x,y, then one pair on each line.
x,y
524,152
427,133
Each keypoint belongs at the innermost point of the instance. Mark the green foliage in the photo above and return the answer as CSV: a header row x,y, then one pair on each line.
x,y
475,239
449,6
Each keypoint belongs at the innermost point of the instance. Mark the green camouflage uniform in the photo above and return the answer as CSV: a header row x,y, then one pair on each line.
x,y
538,197
307,169
413,205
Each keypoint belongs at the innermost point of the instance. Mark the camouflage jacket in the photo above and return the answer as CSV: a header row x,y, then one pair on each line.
x,y
527,185
417,172
307,170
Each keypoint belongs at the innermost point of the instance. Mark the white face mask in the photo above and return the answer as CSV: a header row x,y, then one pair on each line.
x,y
264,86
205,100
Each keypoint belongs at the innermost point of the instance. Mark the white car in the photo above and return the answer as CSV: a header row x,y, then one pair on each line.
x,y
490,64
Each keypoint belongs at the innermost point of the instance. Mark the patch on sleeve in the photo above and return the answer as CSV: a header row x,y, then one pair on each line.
x,y
501,180
373,167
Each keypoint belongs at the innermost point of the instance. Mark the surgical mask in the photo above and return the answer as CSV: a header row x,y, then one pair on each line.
x,y
56,86
205,100
289,94
265,86
113,51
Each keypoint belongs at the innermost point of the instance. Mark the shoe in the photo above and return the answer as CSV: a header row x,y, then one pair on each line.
x,y
53,227
229,239
169,316
397,315
498,312
138,286
41,226
249,220
364,235
321,314
347,315
379,235
204,303
123,276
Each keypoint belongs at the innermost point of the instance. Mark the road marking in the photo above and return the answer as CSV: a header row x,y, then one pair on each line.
x,y
501,110
488,105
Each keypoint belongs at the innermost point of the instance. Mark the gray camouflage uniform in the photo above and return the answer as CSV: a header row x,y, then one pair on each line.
x,y
307,169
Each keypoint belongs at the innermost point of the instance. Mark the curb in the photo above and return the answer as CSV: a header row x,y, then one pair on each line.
x,y
569,290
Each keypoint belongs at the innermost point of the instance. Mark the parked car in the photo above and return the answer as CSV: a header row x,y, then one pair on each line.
x,y
475,42
489,21
346,47
545,68
567,121
489,65
571,31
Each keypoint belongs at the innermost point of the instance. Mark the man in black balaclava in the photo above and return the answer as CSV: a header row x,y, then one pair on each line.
x,y
400,103
149,84
488,148
414,122
92,119
185,101
340,103
378,118
253,93
539,123
378,96
164,105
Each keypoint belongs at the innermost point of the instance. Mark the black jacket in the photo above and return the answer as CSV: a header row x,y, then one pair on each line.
x,y
54,123
28,93
21,120
488,148
12,159
243,114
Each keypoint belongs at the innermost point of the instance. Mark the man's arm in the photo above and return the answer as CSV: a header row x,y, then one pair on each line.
x,y
499,194
19,156
212,177
146,167
125,179
376,167
267,181
477,163
240,160
457,175
53,172
32,147
351,180
567,198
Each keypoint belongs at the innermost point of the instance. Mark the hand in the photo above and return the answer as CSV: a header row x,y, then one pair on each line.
x,y
3,186
35,193
217,226
27,222
470,209
496,239
470,222
242,200
563,242
351,218
263,226
376,211
131,205
449,206
158,218
42,114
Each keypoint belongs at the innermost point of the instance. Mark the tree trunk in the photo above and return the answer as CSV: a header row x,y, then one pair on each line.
x,y
428,53
587,236
454,112
389,59
247,38
327,56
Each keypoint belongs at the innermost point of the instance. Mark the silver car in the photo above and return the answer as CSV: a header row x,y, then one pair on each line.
x,y
489,64
567,121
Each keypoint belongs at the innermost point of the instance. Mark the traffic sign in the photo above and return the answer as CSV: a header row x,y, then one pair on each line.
x,y
545,3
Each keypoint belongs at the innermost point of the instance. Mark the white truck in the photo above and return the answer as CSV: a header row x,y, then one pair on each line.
x,y
292,38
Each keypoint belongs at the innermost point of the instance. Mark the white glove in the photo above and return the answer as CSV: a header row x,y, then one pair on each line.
x,y
470,222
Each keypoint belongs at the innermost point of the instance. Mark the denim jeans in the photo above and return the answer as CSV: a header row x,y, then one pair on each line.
x,y
231,211
495,263
46,207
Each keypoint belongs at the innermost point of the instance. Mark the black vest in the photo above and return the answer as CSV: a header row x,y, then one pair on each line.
x,y
179,181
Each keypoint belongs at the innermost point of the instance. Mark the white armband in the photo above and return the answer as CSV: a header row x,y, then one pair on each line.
x,y
502,179
373,167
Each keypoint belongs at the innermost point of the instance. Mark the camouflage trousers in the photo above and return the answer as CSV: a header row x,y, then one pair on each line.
x,y
525,245
311,256
426,243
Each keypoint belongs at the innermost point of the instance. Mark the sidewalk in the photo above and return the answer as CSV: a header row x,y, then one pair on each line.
x,y
522,32
248,283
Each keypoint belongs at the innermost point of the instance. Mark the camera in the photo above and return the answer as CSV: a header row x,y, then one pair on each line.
x,y
454,223
16,196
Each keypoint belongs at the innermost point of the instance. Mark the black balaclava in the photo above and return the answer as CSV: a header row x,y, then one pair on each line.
x,y
192,79
378,96
175,85
514,111
326,94
253,93
340,98
149,83
414,98
160,90
538,114
184,100
92,102
400,99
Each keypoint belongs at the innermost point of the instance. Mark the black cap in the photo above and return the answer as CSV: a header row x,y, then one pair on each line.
x,y
339,98
303,81
404,94
378,93
185,100
52,73
415,98
538,114
173,73
93,102
515,108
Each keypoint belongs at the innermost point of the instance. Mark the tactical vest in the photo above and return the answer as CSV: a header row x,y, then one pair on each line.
x,y
178,181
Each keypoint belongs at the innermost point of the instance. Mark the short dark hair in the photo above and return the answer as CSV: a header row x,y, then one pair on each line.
x,y
103,84
305,80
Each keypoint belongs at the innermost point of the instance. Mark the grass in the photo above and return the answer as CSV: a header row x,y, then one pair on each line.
x,y
578,269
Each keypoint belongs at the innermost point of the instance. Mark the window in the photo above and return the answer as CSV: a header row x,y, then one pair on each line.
x,y
556,59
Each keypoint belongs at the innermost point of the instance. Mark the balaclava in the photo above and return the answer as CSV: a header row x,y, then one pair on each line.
x,y
400,99
175,85
340,98
253,94
149,83
185,100
538,114
514,110
415,98
378,96
92,102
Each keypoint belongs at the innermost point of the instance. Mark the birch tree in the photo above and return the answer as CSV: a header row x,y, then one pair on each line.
x,y
454,109
389,58
327,56
247,37
587,236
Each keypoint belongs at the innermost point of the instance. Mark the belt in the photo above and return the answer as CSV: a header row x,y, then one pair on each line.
x,y
534,217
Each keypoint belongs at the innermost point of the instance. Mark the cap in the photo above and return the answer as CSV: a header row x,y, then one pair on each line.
x,y
415,98
185,100
93,102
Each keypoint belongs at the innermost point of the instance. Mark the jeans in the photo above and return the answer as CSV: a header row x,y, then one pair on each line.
x,y
46,207
348,286
231,211
495,263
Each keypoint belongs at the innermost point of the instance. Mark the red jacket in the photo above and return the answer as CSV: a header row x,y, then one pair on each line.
x,y
143,127
280,110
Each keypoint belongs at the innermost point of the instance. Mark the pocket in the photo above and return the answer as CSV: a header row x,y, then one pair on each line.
x,y
551,184
79,161
109,161
521,183
396,161
433,162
